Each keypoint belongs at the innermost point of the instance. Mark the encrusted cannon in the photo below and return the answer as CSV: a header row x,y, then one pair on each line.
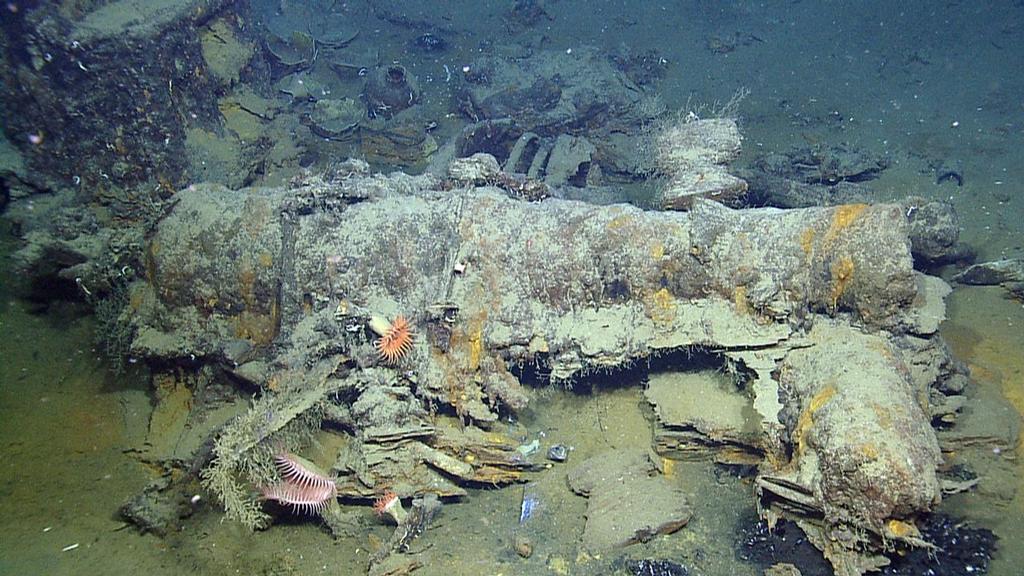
x,y
294,288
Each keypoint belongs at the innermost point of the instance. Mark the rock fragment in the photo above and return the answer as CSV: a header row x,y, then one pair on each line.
x,y
627,504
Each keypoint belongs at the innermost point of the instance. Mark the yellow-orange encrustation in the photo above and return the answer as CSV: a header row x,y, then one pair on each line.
x,y
395,341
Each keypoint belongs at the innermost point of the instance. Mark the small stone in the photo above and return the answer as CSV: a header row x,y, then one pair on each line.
x,y
478,169
430,42
558,453
992,273
782,569
523,546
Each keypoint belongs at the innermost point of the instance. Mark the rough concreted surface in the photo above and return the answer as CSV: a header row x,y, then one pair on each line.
x,y
863,442
536,276
855,256
694,155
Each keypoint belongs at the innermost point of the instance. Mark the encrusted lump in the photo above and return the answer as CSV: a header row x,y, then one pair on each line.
x,y
540,282
863,442
491,284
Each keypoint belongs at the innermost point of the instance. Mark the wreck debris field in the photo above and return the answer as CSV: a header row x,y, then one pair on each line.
x,y
511,287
